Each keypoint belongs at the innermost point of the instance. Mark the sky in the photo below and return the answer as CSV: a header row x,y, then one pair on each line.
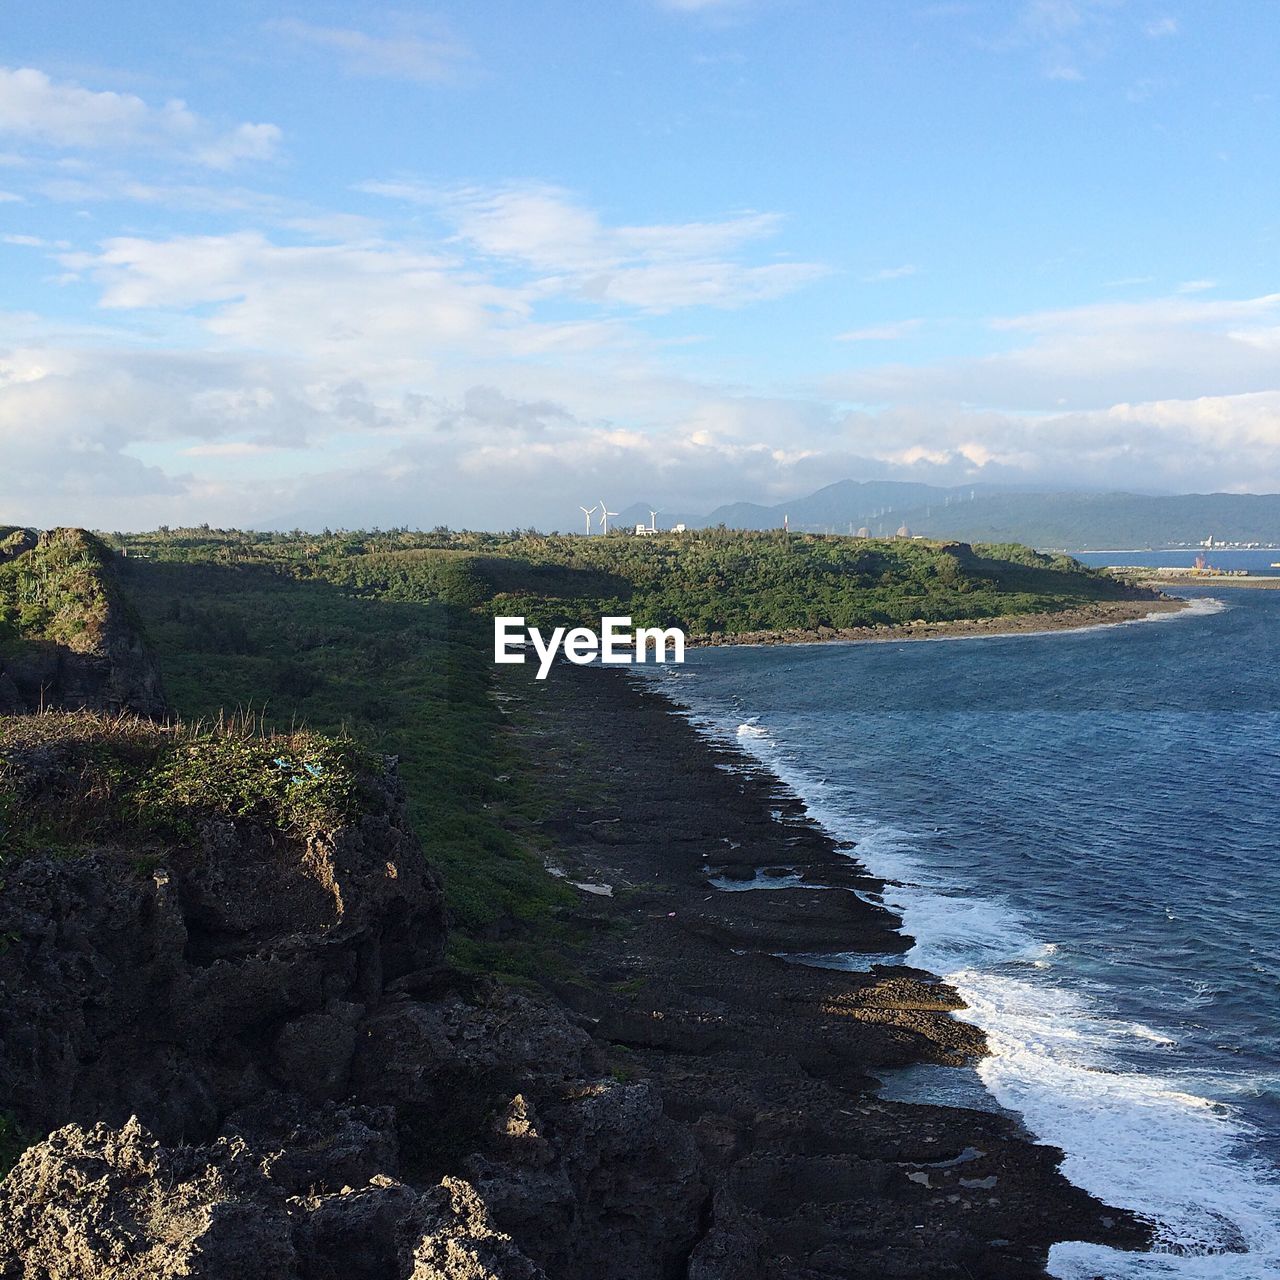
x,y
478,263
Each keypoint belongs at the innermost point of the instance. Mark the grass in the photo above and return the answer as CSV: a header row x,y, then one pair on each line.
x,y
69,782
407,678
58,589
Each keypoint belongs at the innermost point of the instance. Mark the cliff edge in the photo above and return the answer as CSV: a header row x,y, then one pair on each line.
x,y
224,1002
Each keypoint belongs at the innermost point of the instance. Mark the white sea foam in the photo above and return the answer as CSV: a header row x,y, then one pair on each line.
x,y
1135,1140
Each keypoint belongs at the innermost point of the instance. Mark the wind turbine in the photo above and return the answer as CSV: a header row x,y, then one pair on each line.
x,y
605,513
588,512
653,520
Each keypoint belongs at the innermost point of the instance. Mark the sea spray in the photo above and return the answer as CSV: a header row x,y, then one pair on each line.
x,y
1142,1125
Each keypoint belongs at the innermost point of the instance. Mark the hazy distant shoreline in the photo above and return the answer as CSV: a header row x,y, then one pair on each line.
x,y
1103,613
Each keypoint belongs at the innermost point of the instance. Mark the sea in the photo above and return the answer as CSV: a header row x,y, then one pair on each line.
x,y
1080,831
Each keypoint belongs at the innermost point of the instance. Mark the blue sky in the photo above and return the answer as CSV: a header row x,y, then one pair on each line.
x,y
474,263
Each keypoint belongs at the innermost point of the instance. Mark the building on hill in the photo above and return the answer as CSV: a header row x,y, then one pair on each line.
x,y
903,531
863,532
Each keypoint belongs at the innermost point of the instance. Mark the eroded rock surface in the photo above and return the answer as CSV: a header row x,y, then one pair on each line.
x,y
115,1204
252,1061
239,1052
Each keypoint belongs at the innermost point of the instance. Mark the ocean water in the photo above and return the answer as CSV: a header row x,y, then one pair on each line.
x,y
1080,831
1254,560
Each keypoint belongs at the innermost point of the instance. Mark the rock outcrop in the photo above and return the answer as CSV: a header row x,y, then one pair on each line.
x,y
72,642
252,1061
115,1204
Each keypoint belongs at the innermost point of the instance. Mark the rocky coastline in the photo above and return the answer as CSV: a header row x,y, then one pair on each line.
x,y
1100,613
773,1064
232,1046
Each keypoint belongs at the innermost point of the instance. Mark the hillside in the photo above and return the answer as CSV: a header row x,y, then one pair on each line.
x,y
711,582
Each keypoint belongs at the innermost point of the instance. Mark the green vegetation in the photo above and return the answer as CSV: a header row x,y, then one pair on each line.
x,y
406,678
55,588
384,639
79,780
709,581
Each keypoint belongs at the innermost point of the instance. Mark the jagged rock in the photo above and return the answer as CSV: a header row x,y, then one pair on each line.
x,y
313,1053
734,1248
104,1204
463,1245
411,1050
599,1181
184,992
315,1149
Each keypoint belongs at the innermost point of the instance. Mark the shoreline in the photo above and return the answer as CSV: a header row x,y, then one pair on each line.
x,y
1103,613
678,848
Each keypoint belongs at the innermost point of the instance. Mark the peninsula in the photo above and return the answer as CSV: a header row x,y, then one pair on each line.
x,y
433,988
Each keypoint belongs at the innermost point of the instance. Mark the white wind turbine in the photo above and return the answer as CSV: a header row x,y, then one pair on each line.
x,y
653,520
605,513
588,512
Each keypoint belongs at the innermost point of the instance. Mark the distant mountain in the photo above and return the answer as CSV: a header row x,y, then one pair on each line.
x,y
1073,521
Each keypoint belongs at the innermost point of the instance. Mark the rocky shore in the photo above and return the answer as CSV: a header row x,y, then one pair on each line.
x,y
252,1063
1100,613
772,1064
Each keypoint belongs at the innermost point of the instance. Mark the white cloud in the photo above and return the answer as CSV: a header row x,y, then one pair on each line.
x,y
493,367
38,110
244,142
1197,286
1095,356
654,268
404,56
1158,28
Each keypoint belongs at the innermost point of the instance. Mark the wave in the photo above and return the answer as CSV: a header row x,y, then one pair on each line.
x,y
1135,1140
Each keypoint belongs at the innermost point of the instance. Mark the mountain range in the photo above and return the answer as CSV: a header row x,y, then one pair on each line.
x,y
1070,521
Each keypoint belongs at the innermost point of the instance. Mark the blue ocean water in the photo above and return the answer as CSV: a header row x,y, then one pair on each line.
x,y
1254,560
1080,830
